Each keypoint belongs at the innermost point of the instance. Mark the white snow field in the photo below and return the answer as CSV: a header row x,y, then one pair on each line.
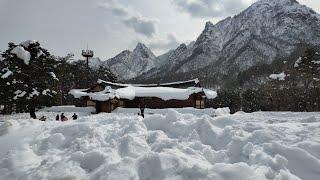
x,y
167,144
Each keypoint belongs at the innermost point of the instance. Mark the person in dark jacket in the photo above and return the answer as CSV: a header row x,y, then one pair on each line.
x,y
62,116
74,116
57,117
32,111
142,111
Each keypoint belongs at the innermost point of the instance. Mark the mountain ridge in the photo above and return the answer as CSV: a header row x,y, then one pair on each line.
x,y
266,30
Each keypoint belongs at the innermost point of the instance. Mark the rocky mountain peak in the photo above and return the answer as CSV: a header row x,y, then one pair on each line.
x,y
141,47
208,25
144,51
182,46
127,64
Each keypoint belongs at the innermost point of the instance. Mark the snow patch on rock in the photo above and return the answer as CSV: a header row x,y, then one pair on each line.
x,y
280,77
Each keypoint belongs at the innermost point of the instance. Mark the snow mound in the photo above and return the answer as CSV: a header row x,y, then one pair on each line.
x,y
69,109
4,125
186,110
168,145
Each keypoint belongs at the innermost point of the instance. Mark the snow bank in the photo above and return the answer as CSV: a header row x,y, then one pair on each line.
x,y
187,110
69,109
4,126
21,54
172,145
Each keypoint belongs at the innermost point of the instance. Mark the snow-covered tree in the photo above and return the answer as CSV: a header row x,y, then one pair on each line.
x,y
74,74
28,76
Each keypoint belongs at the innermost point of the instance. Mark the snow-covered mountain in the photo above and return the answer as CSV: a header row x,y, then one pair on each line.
x,y
267,30
130,64
167,61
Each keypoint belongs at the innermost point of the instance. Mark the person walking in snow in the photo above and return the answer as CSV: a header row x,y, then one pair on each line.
x,y
32,111
142,111
57,117
74,116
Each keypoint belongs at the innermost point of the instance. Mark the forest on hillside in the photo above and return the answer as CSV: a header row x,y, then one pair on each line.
x,y
288,84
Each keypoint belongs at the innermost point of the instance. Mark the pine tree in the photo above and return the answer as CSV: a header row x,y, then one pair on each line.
x,y
32,81
74,74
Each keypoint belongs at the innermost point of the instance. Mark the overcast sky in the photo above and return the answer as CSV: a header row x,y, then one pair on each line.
x,y
110,26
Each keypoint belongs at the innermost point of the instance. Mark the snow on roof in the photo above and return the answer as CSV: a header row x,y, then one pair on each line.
x,y
21,54
78,93
124,85
196,81
165,93
131,92
279,77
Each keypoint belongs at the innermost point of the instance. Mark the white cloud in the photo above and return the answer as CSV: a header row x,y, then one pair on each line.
x,y
162,45
211,8
141,25
132,19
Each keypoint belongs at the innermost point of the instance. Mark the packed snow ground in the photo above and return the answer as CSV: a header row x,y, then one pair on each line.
x,y
165,145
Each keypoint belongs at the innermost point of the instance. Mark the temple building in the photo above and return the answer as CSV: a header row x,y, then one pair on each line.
x,y
107,96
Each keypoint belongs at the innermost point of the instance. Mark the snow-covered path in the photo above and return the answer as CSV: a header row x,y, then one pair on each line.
x,y
168,145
